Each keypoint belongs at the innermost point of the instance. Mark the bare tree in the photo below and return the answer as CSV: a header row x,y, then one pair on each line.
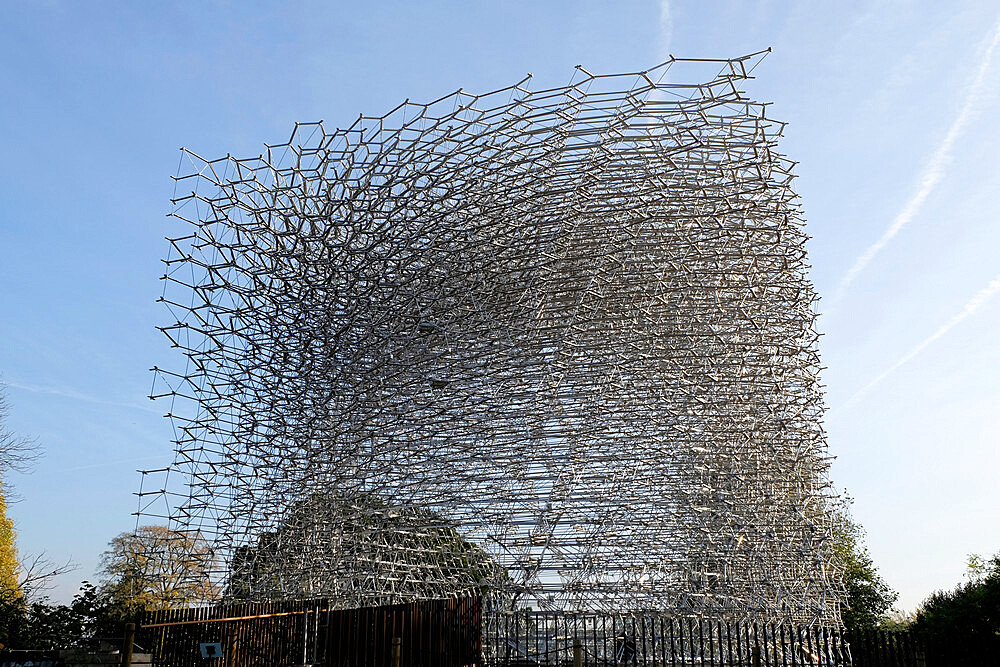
x,y
32,574
38,572
17,452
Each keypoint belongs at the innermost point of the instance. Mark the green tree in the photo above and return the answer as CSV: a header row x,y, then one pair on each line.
x,y
869,598
152,568
44,626
968,615
157,568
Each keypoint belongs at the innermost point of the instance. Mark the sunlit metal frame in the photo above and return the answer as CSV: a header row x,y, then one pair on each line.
x,y
557,346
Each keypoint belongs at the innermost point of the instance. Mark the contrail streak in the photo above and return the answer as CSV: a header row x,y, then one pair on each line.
x,y
666,30
932,174
106,464
79,396
974,304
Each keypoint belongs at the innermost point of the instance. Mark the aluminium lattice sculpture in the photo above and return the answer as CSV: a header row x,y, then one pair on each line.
x,y
556,346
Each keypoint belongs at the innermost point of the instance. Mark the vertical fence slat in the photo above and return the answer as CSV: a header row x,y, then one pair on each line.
x,y
673,643
729,642
772,630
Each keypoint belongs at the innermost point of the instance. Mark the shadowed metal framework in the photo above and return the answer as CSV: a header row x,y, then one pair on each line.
x,y
553,346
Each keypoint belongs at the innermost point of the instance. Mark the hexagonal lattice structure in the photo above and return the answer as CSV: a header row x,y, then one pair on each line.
x,y
557,346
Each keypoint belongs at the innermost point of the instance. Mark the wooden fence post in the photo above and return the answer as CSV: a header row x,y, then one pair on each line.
x,y
397,651
755,656
127,642
577,653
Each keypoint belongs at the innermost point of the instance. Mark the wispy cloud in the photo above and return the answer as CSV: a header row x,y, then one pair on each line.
x,y
931,175
973,305
665,35
119,462
79,396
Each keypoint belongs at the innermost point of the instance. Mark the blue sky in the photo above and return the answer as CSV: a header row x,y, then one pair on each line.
x,y
892,110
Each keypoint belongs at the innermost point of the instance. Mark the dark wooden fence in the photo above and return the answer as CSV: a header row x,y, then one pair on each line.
x,y
881,648
454,633
434,632
440,633
279,633
961,648
540,638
